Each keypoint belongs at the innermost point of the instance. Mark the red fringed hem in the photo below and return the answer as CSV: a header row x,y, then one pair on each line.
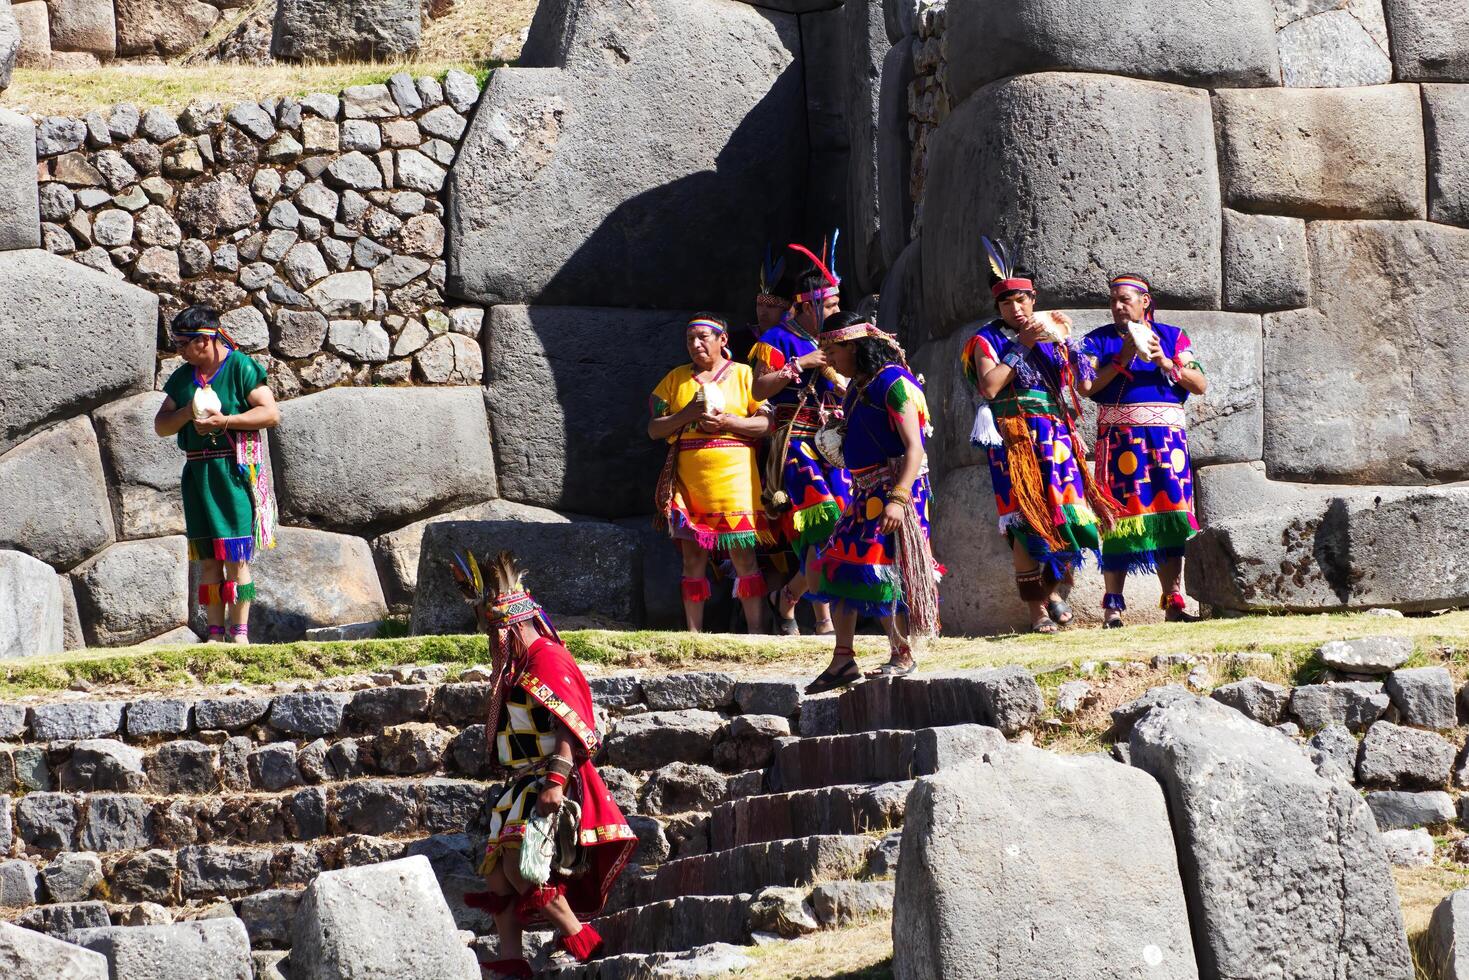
x,y
584,944
696,590
750,586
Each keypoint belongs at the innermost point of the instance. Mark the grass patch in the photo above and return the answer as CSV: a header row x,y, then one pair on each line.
x,y
477,36
858,952
1290,642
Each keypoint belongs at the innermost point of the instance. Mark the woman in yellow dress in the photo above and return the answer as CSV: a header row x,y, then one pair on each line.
x,y
709,494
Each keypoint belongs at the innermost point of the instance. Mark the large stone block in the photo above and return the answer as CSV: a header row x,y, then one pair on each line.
x,y
145,469
33,18
590,156
894,154
1302,548
397,552
1446,118
167,28
134,591
310,579
43,298
1092,201
1068,847
1375,429
1450,917
346,30
387,920
1265,262
31,613
214,948
29,955
10,43
56,495
560,442
84,25
1209,43
1430,40
864,51
1335,48
823,49
978,593
1283,869
429,451
581,569
1324,153
20,214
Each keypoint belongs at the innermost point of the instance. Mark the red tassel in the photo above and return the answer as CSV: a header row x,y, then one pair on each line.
x,y
696,590
750,586
584,944
536,899
209,594
229,592
1173,600
488,901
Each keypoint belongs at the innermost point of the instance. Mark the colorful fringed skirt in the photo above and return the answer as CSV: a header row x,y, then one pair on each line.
x,y
858,565
1142,455
1062,489
219,507
716,495
819,496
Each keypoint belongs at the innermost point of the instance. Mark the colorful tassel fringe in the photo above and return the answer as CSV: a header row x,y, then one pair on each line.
x,y
1172,600
1114,600
696,590
749,586
221,549
226,593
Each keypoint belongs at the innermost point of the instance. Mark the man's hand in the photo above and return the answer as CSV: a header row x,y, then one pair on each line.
x,y
815,359
550,799
1032,333
210,424
714,422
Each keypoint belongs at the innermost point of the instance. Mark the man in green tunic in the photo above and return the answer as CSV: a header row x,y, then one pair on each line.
x,y
217,405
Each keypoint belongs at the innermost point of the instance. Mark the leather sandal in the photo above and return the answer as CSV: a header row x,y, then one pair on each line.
x,y
784,625
1060,612
891,669
1045,626
825,627
829,681
1113,623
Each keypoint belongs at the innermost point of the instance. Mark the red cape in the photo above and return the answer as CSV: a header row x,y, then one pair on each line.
x,y
552,678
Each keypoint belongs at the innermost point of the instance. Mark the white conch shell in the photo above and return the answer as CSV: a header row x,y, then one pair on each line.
x,y
206,401
713,397
1142,336
1056,324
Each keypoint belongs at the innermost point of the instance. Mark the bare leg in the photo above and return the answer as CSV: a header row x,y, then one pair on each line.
x,y
1026,565
695,566
1170,575
507,923
239,573
212,573
1115,583
745,565
557,912
900,653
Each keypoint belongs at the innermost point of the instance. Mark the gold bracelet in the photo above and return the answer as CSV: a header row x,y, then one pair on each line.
x,y
900,497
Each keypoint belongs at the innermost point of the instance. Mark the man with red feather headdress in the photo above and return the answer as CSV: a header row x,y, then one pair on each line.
x,y
545,737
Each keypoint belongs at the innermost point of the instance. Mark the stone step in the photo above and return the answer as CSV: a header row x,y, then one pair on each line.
x,y
876,756
754,866
855,809
1006,698
677,924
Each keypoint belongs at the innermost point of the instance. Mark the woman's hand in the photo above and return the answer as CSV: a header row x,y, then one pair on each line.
x,y
892,516
550,799
211,423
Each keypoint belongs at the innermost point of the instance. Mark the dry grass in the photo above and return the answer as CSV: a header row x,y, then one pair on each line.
x,y
473,37
859,952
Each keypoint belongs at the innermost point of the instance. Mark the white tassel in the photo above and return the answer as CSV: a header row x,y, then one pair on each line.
x,y
984,435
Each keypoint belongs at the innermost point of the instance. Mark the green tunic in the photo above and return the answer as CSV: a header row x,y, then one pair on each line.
x,y
219,507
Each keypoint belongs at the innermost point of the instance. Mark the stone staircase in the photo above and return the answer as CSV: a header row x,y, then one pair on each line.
x,y
227,803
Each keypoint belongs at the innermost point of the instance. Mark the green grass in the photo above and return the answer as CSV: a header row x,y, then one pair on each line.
x,y
1291,641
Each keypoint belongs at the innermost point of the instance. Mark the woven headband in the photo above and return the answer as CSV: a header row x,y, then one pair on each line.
x,y
854,332
818,294
711,324
1132,282
773,301
208,332
1012,285
510,608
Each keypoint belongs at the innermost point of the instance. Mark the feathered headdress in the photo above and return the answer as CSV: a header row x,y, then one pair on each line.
x,y
833,284
1003,269
499,602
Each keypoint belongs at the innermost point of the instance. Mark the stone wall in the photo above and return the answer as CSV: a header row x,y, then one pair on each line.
x,y
69,34
1243,162
315,224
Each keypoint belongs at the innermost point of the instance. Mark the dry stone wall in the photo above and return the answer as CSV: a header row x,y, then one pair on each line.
x,y
1241,159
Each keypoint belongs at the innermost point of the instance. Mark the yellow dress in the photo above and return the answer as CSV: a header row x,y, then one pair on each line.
x,y
716,486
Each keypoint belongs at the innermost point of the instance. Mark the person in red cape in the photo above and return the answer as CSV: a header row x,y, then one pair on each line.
x,y
545,738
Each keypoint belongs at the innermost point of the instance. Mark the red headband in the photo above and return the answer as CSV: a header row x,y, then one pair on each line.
x,y
1011,285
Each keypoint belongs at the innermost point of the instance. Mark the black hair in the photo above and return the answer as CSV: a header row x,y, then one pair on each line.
x,y
786,286
810,281
1019,272
873,354
195,319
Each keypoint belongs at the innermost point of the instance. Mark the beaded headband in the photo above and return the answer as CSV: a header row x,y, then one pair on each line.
x,y
207,332
510,608
855,331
